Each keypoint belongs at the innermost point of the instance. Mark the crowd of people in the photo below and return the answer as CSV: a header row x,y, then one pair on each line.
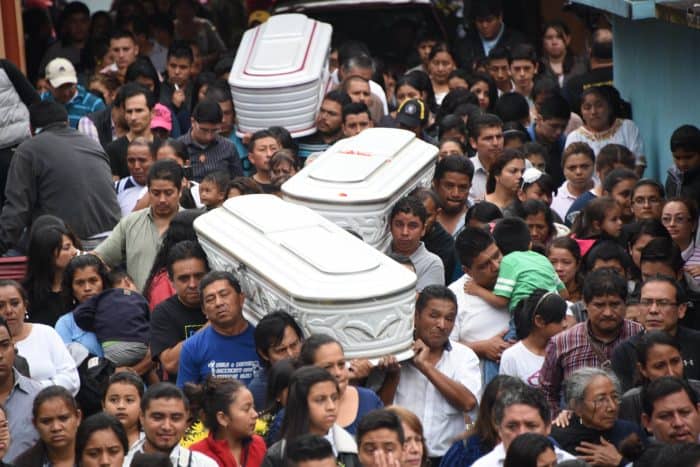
x,y
557,314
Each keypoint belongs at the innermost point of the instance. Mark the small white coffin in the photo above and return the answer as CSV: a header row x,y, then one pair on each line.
x,y
280,74
356,182
288,257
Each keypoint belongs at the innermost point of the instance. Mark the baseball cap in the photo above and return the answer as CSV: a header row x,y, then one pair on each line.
x,y
412,113
161,117
60,71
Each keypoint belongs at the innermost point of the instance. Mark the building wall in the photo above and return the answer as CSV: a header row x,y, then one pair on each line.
x,y
657,69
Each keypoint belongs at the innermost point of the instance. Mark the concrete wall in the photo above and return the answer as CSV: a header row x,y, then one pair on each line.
x,y
657,69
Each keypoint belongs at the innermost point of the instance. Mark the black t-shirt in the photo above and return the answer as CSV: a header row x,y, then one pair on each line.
x,y
172,322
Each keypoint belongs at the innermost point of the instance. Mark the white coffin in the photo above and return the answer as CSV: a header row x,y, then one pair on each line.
x,y
356,182
288,257
280,74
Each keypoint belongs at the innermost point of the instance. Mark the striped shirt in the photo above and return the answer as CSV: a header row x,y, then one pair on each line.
x,y
221,154
573,349
82,104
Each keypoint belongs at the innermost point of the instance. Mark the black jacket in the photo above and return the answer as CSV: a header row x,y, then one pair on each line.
x,y
470,48
103,123
441,243
683,184
61,172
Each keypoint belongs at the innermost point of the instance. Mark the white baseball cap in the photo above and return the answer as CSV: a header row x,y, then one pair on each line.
x,y
60,71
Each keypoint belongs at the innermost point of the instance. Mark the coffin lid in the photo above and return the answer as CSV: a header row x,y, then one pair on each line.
x,y
302,253
370,167
284,51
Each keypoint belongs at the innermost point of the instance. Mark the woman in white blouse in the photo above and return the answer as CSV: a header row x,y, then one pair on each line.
x,y
601,127
47,356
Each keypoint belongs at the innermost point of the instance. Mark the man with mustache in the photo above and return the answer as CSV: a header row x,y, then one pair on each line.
x,y
452,182
590,343
663,302
670,411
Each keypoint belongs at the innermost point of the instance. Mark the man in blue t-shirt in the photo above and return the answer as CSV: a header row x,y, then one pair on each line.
x,y
226,348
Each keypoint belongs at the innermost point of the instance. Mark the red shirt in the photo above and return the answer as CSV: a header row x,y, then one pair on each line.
x,y
251,456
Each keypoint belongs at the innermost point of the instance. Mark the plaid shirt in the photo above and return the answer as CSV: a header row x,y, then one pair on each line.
x,y
573,349
221,154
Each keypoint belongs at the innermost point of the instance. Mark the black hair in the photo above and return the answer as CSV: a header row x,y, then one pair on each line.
x,y
484,212
207,111
183,250
409,205
224,64
245,186
533,147
681,296
54,392
125,377
506,157
44,242
180,229
269,332
44,113
284,138
485,8
686,137
616,176
122,34
477,77
166,170
608,250
426,193
651,227
548,305
523,51
483,121
307,356
260,134
459,73
338,96
451,122
99,422
143,67
611,155
309,447
555,106
180,49
544,85
135,89
219,91
663,387
152,459
512,234
515,131
532,207
220,178
459,164
214,395
378,419
355,108
484,427
278,378
651,338
499,53
178,147
690,204
665,251
595,211
163,390
420,81
652,183
77,263
214,276
602,282
544,181
3,324
470,243
575,149
435,292
512,107
452,100
523,395
296,422
525,449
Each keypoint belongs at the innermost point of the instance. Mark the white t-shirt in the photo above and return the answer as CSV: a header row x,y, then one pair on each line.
x,y
563,200
476,319
518,361
49,361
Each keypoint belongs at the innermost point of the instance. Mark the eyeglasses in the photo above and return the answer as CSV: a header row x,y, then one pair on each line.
x,y
661,304
641,201
680,220
530,176
610,400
